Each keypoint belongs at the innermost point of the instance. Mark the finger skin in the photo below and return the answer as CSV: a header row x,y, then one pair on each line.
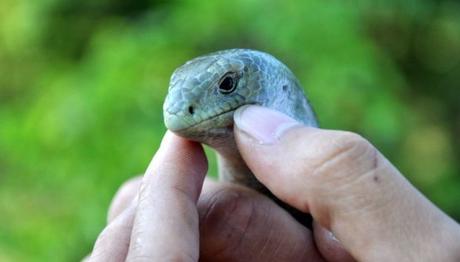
x,y
124,197
239,224
329,246
113,242
272,234
166,220
352,190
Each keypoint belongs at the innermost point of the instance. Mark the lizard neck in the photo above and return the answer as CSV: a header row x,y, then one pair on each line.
x,y
231,165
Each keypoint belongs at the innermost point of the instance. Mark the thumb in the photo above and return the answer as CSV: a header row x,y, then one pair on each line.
x,y
344,182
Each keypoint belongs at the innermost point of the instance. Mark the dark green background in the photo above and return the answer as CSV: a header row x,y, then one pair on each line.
x,y
82,85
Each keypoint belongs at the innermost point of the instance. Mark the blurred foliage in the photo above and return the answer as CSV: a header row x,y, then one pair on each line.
x,y
82,85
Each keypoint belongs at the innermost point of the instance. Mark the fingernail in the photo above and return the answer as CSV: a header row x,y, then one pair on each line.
x,y
263,124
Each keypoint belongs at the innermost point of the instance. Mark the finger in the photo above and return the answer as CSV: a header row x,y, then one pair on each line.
x,y
113,243
239,224
124,197
329,246
166,223
345,183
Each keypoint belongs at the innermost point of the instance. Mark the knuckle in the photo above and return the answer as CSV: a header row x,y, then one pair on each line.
x,y
226,204
350,140
345,152
343,167
224,221
356,147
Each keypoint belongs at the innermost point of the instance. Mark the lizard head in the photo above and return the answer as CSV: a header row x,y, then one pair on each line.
x,y
204,92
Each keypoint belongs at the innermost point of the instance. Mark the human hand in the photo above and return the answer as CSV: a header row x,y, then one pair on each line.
x,y
347,186
156,218
160,221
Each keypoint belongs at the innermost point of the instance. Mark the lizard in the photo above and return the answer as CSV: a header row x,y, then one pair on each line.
x,y
204,93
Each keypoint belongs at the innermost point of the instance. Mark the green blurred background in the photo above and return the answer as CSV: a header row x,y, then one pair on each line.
x,y
82,85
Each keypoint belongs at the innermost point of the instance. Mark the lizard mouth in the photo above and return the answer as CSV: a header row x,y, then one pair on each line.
x,y
219,115
220,120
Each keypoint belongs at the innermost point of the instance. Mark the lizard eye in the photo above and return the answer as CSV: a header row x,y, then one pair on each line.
x,y
228,83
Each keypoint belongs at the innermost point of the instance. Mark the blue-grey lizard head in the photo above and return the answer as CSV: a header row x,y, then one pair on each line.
x,y
204,92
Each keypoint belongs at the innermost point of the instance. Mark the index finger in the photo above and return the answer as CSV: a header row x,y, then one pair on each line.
x,y
166,223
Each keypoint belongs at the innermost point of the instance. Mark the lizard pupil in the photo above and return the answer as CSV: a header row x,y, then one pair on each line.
x,y
227,85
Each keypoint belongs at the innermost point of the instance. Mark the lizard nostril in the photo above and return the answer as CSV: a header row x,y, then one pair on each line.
x,y
191,110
